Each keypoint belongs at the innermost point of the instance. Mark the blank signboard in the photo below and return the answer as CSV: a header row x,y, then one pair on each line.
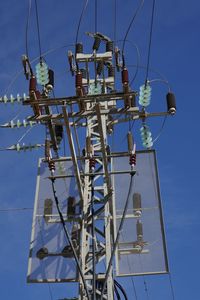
x,y
141,248
50,258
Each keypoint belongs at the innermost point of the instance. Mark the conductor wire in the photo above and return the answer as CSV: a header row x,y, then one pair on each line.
x,y
80,20
68,238
130,25
38,29
118,235
27,27
150,39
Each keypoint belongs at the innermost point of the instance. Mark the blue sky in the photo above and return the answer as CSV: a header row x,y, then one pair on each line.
x,y
175,54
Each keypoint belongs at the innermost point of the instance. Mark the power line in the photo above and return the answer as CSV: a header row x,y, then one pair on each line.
x,y
118,235
15,209
131,23
171,287
96,13
27,27
150,40
69,239
80,19
38,29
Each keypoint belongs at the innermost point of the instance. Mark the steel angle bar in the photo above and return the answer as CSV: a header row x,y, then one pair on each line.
x,y
73,153
103,146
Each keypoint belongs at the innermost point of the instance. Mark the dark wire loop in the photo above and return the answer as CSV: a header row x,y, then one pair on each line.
x,y
131,23
118,234
68,237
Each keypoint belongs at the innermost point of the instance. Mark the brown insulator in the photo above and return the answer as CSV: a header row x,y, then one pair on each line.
x,y
32,84
50,84
79,78
59,133
109,46
100,67
171,103
97,42
125,79
79,48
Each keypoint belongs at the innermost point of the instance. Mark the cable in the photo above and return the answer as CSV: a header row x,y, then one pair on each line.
x,y
68,238
161,130
162,77
23,136
80,19
150,39
138,59
160,80
118,235
27,27
115,21
131,23
15,209
116,292
121,289
95,13
171,287
38,29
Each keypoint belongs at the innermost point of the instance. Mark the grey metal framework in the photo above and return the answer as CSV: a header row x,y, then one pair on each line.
x,y
98,111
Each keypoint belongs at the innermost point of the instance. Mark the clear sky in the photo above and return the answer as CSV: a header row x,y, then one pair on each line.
x,y
174,54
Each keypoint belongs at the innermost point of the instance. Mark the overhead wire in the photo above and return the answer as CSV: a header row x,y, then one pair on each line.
x,y
131,23
118,235
80,20
27,27
38,29
150,39
121,289
15,209
96,15
171,287
161,130
69,239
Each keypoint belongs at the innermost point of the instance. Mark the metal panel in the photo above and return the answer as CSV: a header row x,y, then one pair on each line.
x,y
141,249
50,260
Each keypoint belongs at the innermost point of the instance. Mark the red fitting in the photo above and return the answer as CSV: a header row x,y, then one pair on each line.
x,y
52,166
132,160
32,84
125,79
79,80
